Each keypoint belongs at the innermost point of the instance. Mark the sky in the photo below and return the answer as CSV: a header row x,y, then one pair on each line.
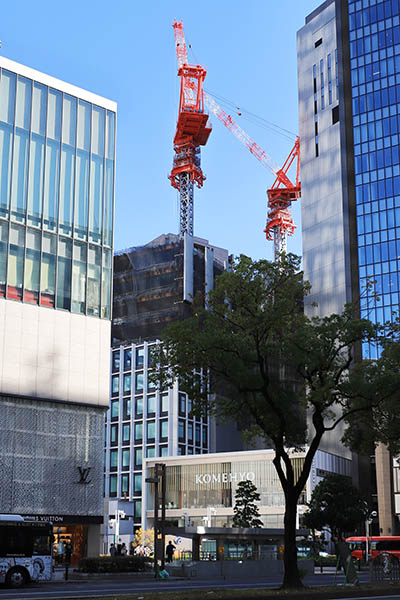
x,y
124,50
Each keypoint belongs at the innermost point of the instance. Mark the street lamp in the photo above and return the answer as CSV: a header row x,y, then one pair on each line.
x,y
368,522
160,475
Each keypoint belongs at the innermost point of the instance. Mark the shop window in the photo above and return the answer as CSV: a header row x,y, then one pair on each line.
x,y
137,483
115,362
181,430
126,433
151,405
164,404
164,429
182,404
113,486
139,406
114,409
127,408
139,358
139,381
113,460
138,457
114,435
138,432
115,385
151,430
127,359
125,484
125,458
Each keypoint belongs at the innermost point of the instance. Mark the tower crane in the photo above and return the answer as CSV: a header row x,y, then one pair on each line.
x,y
192,131
282,193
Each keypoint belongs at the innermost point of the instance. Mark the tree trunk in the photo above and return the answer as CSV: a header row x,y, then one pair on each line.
x,y
291,578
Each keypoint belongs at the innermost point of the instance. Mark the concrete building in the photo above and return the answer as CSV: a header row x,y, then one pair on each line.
x,y
154,285
349,106
57,157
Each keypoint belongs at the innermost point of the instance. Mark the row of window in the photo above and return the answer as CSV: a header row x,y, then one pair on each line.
x,y
42,268
372,12
127,359
139,380
56,160
377,190
188,432
365,208
115,411
375,253
374,269
378,221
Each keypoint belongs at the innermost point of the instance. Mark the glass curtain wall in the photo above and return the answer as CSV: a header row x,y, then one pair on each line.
x,y
374,32
56,197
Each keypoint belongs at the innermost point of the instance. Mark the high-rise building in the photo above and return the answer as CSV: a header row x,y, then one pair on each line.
x,y
349,112
154,285
57,163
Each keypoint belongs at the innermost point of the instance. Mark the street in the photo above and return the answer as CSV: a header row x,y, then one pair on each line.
x,y
104,587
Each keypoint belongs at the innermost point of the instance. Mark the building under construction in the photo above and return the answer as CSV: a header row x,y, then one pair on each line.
x,y
154,284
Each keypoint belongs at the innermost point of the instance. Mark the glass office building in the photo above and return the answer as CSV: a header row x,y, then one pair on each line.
x,y
349,113
56,197
57,171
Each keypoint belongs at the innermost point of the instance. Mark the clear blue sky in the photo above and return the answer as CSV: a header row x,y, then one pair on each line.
x,y
124,50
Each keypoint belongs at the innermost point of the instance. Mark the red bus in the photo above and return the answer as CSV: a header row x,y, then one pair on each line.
x,y
376,544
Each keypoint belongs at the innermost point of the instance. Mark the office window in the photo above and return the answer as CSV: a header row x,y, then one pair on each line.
x,y
190,433
15,270
164,403
182,404
125,458
139,358
126,408
163,450
64,271
181,450
113,459
197,434
114,435
138,457
137,508
151,405
127,359
139,380
114,409
151,430
125,484
126,433
181,430
127,383
164,429
113,485
115,385
115,361
138,432
205,436
137,483
94,281
32,265
150,451
139,406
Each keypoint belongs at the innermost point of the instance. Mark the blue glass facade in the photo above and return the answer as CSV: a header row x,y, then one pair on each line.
x,y
56,197
374,37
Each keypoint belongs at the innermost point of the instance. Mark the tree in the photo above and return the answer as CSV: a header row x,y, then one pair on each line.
x,y
337,504
144,538
245,510
254,355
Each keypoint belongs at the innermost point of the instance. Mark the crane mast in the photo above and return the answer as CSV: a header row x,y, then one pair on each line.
x,y
282,193
192,131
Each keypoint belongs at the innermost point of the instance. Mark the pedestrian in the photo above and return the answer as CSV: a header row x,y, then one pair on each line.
x,y
119,546
124,550
131,549
169,551
68,555
60,552
113,550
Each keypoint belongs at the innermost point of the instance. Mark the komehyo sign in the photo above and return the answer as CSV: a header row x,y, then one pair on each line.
x,y
207,478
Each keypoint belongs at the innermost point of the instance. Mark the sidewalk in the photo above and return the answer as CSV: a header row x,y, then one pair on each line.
x,y
76,577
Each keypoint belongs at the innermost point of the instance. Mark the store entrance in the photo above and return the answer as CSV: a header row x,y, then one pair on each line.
x,y
76,535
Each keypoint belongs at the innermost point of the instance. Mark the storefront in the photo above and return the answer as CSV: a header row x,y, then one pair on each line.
x,y
81,532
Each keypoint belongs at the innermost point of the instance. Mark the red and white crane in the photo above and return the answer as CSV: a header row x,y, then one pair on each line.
x,y
192,131
282,193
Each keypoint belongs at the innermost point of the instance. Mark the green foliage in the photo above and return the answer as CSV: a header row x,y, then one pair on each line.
x,y
254,357
114,564
246,510
337,504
